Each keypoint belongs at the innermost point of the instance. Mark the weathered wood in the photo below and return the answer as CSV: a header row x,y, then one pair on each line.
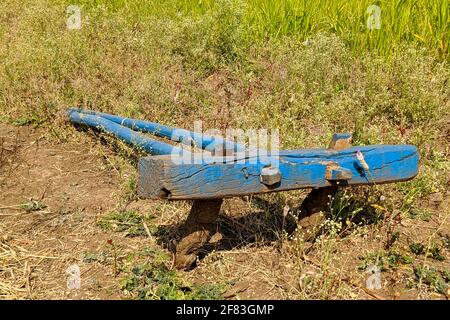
x,y
336,173
214,177
340,141
200,225
312,211
95,119
317,201
125,134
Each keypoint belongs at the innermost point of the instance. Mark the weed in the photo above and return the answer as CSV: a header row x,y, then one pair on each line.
x,y
354,209
32,205
129,189
206,292
385,260
395,259
129,222
392,237
431,277
417,248
209,41
89,257
25,121
446,275
422,214
426,215
445,240
435,253
114,253
155,281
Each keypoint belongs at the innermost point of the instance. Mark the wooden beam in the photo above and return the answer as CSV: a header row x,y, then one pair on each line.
x,y
219,177
340,141
190,138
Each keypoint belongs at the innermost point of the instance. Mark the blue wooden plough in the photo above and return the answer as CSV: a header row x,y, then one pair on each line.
x,y
207,169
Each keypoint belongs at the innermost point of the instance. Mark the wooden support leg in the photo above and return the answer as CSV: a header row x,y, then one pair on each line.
x,y
312,209
316,202
200,225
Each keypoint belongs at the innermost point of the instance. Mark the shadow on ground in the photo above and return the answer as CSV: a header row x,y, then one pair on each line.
x,y
260,227
264,226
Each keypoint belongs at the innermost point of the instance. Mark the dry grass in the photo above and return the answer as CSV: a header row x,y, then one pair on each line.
x,y
10,259
17,266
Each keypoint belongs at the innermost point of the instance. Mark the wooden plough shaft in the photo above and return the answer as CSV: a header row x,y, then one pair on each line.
x,y
177,173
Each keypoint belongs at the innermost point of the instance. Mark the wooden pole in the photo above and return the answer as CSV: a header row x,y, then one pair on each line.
x,y
316,203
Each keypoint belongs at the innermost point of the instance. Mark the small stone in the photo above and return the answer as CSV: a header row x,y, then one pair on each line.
x,y
216,237
437,198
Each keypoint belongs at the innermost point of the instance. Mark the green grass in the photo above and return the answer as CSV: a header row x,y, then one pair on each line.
x,y
131,55
434,278
424,22
391,259
128,222
306,68
32,205
153,280
157,282
351,209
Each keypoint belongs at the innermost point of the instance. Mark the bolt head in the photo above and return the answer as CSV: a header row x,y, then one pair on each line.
x,y
270,176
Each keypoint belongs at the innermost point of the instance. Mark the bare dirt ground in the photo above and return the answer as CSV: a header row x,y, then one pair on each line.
x,y
44,243
72,184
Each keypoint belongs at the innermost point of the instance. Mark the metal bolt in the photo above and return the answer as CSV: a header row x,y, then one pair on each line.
x,y
270,176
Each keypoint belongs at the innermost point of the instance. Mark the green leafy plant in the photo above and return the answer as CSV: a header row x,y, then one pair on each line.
x,y
431,277
129,222
90,257
385,259
436,253
417,248
153,280
32,205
